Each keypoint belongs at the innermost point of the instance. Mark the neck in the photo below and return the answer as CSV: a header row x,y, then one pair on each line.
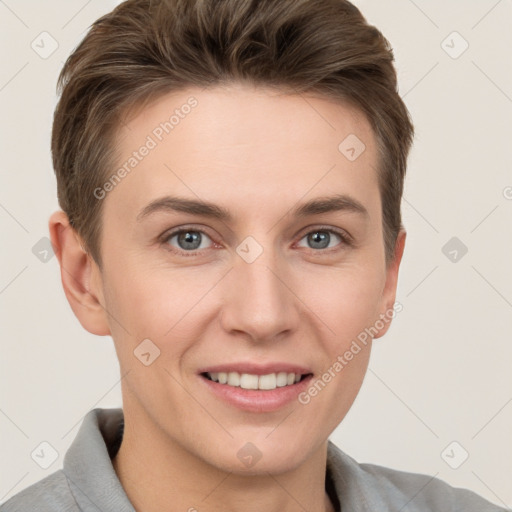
x,y
158,474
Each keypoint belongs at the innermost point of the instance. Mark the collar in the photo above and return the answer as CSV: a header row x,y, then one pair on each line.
x,y
95,485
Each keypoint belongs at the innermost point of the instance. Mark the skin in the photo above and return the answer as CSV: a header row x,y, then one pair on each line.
x,y
257,153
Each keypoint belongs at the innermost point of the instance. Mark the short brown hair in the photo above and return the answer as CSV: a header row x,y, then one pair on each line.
x,y
146,48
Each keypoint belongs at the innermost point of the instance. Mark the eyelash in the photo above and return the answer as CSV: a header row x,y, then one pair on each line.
x,y
346,240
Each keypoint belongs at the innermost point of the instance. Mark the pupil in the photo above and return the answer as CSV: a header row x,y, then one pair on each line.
x,y
189,238
322,237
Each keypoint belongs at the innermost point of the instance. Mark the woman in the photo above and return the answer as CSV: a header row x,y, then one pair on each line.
x,y
230,175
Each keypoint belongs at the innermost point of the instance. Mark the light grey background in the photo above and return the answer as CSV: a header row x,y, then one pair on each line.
x,y
441,374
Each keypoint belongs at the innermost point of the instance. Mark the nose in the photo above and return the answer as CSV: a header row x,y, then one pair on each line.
x,y
259,300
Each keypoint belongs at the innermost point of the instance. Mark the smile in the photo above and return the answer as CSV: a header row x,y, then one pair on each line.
x,y
252,381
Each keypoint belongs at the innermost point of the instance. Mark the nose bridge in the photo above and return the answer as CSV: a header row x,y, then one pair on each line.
x,y
258,302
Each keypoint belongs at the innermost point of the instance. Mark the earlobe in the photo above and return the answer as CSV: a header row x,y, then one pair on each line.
x,y
389,292
78,275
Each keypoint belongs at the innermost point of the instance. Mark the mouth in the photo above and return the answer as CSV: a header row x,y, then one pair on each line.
x,y
249,381
256,392
254,386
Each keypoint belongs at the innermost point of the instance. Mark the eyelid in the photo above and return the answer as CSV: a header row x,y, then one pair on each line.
x,y
342,233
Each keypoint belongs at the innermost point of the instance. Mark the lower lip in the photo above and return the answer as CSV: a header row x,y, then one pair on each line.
x,y
256,400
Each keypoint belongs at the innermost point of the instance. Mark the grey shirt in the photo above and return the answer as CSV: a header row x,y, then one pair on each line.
x,y
87,482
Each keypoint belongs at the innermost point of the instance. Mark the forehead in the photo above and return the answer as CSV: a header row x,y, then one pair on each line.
x,y
231,143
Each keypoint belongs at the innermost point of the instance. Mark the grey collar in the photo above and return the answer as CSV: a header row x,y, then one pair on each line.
x,y
96,487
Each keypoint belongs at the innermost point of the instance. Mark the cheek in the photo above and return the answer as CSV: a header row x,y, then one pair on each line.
x,y
349,307
159,304
346,299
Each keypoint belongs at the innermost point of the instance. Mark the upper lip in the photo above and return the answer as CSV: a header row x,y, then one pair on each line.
x,y
256,369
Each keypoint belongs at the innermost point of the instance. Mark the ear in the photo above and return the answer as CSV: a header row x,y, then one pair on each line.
x,y
80,276
389,291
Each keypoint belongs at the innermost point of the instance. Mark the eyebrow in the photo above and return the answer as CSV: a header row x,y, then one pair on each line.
x,y
339,202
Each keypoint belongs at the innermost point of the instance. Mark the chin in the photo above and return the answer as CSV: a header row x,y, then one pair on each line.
x,y
254,458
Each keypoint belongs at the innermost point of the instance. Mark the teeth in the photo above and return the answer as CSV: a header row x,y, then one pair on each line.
x,y
268,381
233,379
282,379
249,381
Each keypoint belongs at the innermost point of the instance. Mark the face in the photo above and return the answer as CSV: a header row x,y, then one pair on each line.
x,y
273,286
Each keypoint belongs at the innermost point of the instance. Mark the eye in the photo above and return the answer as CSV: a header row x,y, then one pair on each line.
x,y
190,241
187,240
321,238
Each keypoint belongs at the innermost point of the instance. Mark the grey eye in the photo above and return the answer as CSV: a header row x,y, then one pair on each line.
x,y
188,239
320,239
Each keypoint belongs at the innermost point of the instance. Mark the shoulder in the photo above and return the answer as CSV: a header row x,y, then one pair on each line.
x,y
382,488
51,494
424,492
